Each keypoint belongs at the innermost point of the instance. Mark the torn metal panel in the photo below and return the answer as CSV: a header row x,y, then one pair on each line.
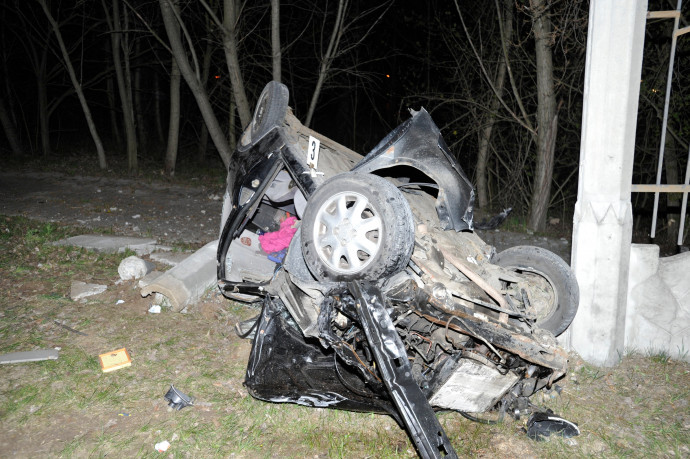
x,y
29,356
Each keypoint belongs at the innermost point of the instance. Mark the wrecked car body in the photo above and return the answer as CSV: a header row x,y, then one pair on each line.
x,y
384,299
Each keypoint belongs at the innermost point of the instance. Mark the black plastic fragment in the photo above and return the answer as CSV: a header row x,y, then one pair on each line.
x,y
542,425
176,399
420,420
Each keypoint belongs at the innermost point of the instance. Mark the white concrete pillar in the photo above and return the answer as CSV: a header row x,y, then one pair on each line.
x,y
603,215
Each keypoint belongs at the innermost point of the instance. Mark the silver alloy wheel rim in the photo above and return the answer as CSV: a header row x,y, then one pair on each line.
x,y
348,232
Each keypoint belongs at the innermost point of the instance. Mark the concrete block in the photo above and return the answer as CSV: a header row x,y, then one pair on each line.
x,y
111,244
149,278
644,262
185,283
675,271
134,268
80,290
658,312
170,258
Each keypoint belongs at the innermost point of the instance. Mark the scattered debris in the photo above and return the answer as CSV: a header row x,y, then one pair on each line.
x,y
162,446
134,268
155,309
176,399
162,300
495,221
80,290
68,328
115,360
119,301
542,425
29,356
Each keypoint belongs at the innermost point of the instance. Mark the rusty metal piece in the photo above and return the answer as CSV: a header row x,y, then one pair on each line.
x,y
502,337
476,278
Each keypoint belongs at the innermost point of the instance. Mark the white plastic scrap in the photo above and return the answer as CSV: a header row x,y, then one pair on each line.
x,y
155,309
162,446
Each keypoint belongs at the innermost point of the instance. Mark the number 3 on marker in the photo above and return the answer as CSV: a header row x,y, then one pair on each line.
x,y
313,152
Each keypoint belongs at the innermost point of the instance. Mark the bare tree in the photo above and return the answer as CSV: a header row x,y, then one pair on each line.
x,y
138,106
547,120
205,74
124,82
10,129
231,14
77,86
327,57
506,26
173,24
174,124
336,46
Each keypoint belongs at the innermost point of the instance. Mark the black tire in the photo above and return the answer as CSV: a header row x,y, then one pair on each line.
x,y
545,270
270,112
369,220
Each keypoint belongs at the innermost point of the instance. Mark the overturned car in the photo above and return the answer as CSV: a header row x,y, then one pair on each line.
x,y
383,298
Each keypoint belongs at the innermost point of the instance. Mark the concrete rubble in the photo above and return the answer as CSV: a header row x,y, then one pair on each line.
x,y
80,290
111,244
179,287
134,268
185,283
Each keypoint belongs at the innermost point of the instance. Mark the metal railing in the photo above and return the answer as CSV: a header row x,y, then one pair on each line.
x,y
658,187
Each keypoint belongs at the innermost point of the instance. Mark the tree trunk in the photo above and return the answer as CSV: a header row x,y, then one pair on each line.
x,y
232,135
327,58
232,59
43,116
275,39
494,105
205,73
157,107
200,95
77,87
114,126
138,104
123,84
10,129
547,120
174,125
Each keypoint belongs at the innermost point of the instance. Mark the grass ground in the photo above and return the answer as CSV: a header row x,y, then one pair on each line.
x,y
69,408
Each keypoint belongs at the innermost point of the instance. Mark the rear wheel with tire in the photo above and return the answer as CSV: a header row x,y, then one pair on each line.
x,y
549,283
270,111
357,226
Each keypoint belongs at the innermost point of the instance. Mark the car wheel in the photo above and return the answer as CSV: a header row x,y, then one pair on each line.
x,y
357,226
549,282
270,111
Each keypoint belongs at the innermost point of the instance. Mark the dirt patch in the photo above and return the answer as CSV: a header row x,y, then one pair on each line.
x,y
168,212
132,207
